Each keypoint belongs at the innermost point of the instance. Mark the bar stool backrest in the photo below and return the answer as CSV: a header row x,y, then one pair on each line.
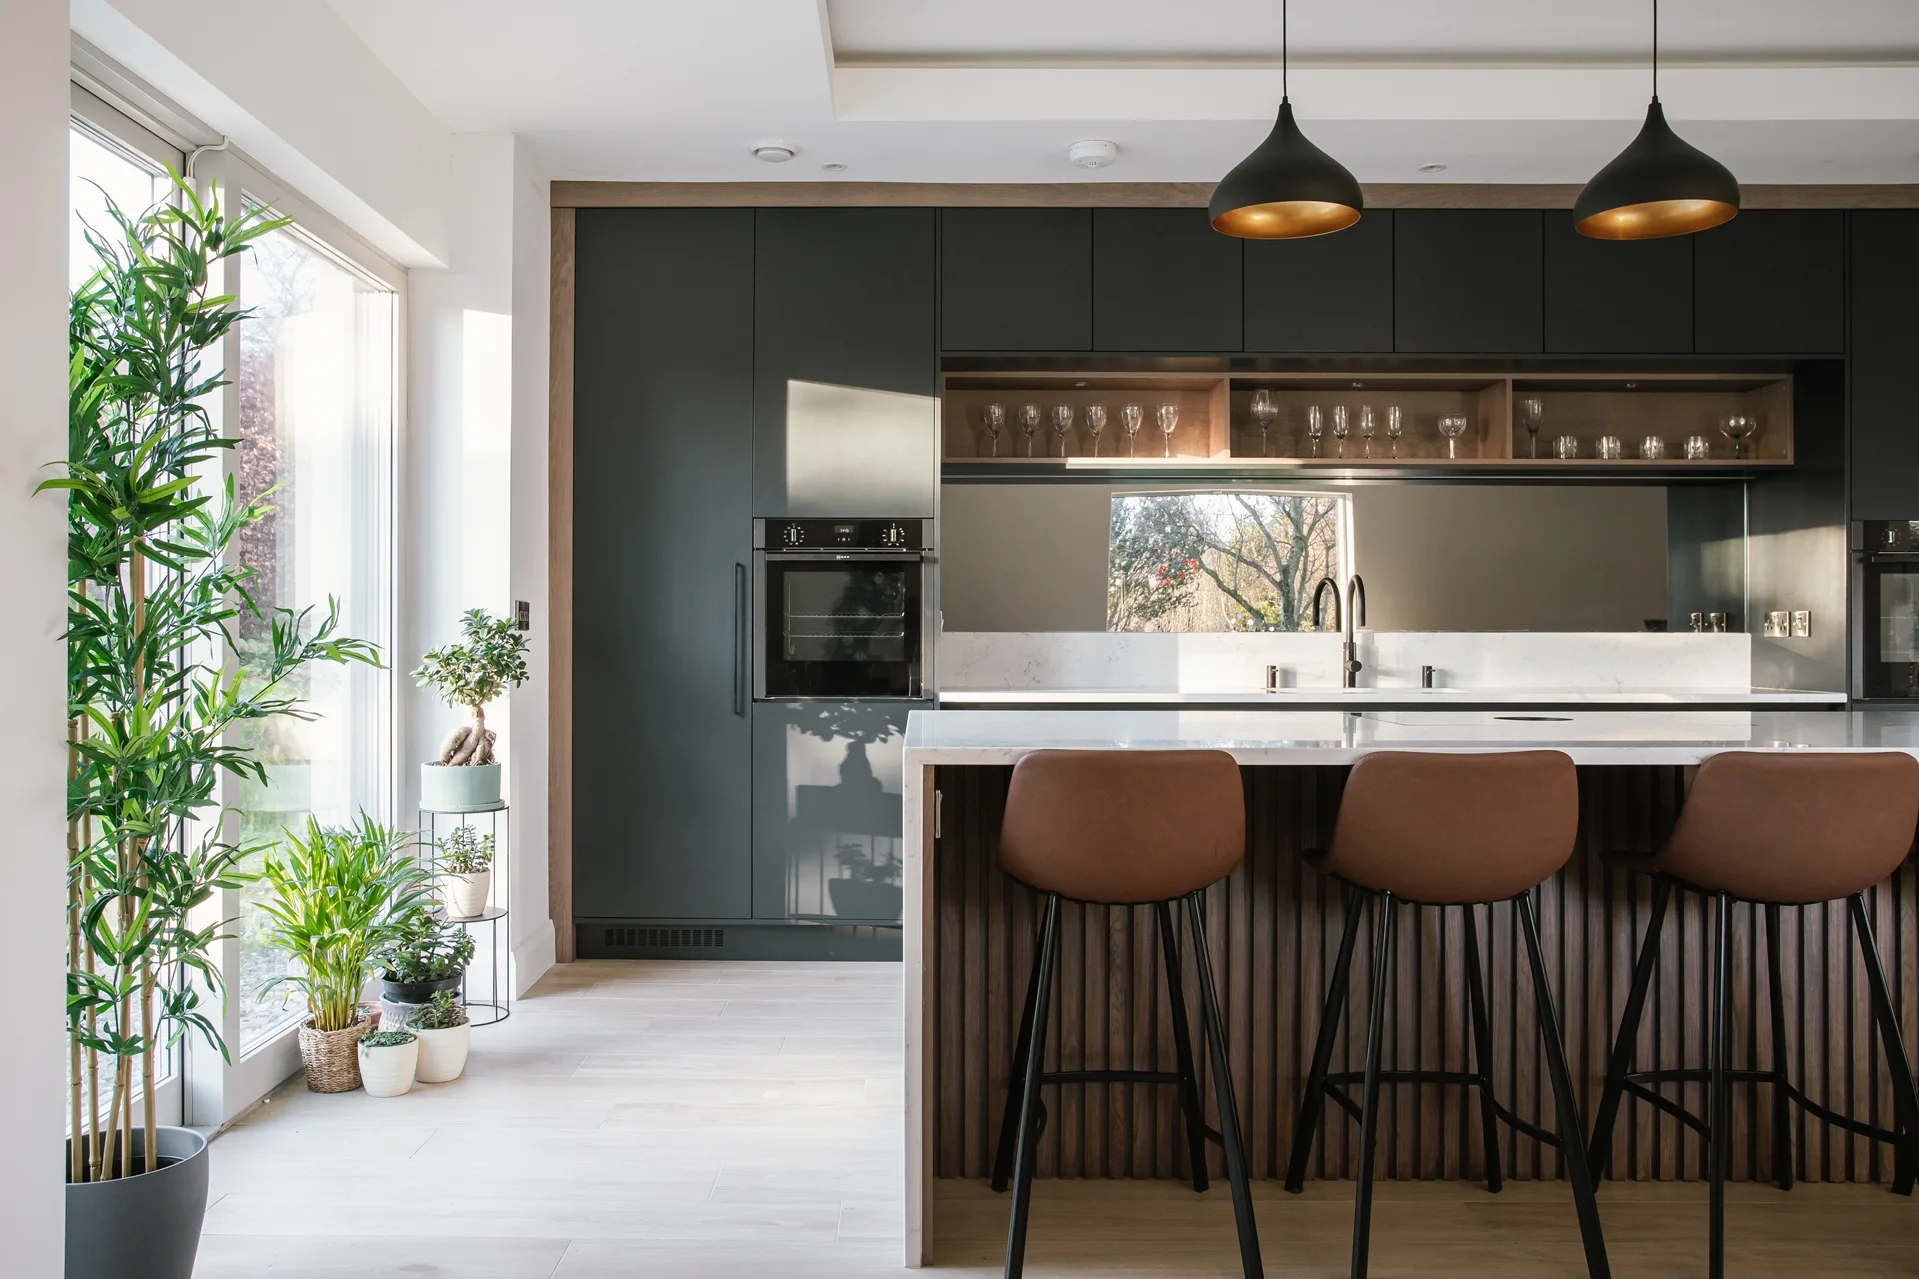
x,y
1455,828
1794,828
1122,826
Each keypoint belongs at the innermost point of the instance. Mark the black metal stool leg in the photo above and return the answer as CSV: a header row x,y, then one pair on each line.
x,y
1905,1102
1369,1111
1312,1099
1571,1131
1719,1089
1619,1064
1016,1080
1029,1093
1482,1048
1223,1089
1183,1048
1781,1095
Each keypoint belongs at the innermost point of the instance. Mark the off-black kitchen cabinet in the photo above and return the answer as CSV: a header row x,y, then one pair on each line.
x,y
662,488
1467,281
1164,280
1325,292
1016,279
1627,297
842,296
1885,350
1771,282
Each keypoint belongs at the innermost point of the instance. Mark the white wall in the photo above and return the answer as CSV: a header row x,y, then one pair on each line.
x,y
33,309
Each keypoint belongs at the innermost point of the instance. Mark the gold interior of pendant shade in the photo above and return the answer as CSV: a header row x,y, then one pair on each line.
x,y
1286,219
1657,218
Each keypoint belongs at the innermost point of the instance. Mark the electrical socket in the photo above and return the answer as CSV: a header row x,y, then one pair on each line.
x,y
1778,625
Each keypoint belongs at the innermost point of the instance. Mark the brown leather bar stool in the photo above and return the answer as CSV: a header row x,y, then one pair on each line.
x,y
1447,830
1773,830
1123,828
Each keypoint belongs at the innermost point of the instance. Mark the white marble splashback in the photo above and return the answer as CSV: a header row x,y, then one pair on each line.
x,y
1232,663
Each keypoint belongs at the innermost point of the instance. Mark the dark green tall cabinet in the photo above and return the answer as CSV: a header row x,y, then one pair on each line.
x,y
662,490
1885,350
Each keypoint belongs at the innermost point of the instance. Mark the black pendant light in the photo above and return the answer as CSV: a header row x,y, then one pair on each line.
x,y
1660,185
1287,188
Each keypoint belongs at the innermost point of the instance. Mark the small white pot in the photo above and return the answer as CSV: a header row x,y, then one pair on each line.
x,y
459,788
465,895
388,1072
442,1053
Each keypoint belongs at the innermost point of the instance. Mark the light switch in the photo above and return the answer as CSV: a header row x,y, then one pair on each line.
x,y
1802,623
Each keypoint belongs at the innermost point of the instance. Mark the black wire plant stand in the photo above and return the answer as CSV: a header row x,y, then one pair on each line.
x,y
436,825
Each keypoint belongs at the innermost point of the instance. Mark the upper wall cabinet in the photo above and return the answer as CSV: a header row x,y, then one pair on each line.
x,y
1164,280
1771,282
1467,281
1323,293
1631,297
844,296
1016,279
1885,344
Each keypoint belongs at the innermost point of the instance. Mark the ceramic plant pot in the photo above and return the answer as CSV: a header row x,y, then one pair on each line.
x,y
414,992
442,1053
459,788
465,895
328,1055
387,1071
147,1224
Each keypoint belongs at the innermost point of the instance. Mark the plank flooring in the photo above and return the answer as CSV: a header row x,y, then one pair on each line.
x,y
712,1120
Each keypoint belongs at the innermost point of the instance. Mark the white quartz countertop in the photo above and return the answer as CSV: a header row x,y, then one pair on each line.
x,y
1675,736
1280,698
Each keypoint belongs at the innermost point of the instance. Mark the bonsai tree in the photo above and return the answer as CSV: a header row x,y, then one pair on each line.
x,y
470,673
423,947
152,703
464,851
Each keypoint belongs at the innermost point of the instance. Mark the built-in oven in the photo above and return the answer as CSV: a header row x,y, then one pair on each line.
x,y
1886,588
845,609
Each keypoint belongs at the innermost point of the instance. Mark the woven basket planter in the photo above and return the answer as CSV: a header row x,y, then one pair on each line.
x,y
332,1057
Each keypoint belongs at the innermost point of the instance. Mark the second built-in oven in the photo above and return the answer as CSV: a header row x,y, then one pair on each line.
x,y
845,609
1886,593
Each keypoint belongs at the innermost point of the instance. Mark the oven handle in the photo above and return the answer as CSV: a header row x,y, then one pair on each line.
x,y
846,557
739,639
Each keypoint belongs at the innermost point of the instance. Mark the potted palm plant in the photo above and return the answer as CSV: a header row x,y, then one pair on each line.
x,y
466,872
152,714
469,673
339,894
445,1035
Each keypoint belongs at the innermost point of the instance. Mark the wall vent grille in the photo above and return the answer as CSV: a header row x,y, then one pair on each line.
x,y
666,938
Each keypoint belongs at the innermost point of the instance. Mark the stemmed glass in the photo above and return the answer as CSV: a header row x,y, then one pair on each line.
x,y
1452,426
1095,423
1395,426
994,416
1315,427
1062,425
1028,424
1739,427
1130,417
1366,427
1168,423
1265,411
1341,428
1532,416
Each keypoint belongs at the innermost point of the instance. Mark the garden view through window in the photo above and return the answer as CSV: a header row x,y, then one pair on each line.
x,y
1222,561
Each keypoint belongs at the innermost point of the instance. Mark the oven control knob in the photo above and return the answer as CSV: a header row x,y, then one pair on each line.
x,y
793,535
893,535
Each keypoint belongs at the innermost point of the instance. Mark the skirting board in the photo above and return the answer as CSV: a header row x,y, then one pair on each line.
x,y
532,957
722,940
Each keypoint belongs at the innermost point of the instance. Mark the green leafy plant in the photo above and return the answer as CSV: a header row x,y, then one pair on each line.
x,y
471,673
423,947
339,895
153,703
465,851
386,1039
442,1012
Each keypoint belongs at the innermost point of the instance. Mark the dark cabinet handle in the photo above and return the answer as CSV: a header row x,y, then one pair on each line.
x,y
739,639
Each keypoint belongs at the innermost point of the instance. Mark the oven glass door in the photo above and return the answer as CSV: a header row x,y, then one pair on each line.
x,y
1891,665
840,627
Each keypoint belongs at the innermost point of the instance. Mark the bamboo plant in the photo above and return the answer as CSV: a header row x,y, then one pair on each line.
x,y
152,692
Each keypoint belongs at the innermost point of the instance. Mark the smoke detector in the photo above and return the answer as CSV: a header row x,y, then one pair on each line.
x,y
775,152
1094,153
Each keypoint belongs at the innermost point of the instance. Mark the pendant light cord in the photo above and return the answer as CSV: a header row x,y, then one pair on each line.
x,y
1655,50
1285,56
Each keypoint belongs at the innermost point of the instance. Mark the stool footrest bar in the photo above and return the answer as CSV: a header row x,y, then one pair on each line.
x,y
1110,1077
1642,1084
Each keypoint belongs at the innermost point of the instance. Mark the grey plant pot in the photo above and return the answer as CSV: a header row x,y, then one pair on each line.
x,y
146,1225
459,788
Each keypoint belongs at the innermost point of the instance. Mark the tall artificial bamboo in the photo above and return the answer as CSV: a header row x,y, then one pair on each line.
x,y
152,691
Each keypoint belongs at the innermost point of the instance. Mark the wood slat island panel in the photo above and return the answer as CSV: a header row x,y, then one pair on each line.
x,y
1273,930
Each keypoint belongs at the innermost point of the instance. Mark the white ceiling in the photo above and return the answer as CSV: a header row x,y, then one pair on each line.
x,y
994,90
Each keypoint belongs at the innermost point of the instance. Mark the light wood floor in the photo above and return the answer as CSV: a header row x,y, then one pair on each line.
x,y
730,1119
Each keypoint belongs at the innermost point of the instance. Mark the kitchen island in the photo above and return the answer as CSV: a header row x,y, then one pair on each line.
x,y
1272,926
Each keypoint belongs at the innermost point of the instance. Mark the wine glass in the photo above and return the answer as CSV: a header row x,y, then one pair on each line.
x,y
1739,427
1341,427
994,417
1028,424
1265,410
1095,423
1395,426
1168,423
1315,426
1532,416
1062,425
1130,416
1452,426
1366,426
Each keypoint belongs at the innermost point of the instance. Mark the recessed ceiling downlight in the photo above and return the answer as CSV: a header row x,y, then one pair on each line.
x,y
774,152
1432,168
